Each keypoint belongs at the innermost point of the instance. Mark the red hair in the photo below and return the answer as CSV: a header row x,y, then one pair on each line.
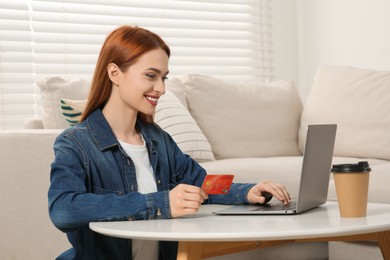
x,y
123,46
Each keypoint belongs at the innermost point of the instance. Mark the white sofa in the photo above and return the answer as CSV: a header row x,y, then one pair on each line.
x,y
255,131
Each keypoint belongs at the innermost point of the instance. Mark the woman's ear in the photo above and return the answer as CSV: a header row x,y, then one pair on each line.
x,y
113,72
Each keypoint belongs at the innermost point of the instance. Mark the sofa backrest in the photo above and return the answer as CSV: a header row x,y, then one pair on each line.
x,y
229,119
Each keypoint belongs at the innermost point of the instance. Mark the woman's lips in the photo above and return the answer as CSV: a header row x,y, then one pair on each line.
x,y
152,100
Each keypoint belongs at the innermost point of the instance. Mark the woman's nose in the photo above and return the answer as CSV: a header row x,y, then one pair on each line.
x,y
160,87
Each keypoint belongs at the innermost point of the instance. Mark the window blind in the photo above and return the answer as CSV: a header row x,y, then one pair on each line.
x,y
40,38
16,64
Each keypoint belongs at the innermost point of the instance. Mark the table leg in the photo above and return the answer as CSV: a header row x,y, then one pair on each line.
x,y
189,250
383,239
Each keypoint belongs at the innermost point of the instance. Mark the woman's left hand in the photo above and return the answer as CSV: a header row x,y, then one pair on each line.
x,y
257,194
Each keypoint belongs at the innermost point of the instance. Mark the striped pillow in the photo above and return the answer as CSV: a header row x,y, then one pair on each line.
x,y
171,116
72,110
174,118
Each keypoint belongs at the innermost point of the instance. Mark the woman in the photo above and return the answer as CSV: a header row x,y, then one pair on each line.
x,y
119,165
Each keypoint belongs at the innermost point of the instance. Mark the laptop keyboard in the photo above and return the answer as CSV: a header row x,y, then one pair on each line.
x,y
276,207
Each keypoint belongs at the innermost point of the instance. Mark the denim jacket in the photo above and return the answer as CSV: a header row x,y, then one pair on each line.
x,y
93,179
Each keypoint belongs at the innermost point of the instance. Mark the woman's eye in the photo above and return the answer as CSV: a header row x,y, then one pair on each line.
x,y
151,76
165,78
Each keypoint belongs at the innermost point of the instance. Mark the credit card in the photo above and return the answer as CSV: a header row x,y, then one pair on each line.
x,y
217,183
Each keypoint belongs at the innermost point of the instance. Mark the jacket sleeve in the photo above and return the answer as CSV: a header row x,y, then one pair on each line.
x,y
72,205
190,172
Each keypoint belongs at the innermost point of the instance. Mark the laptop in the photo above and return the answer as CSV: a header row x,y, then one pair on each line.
x,y
314,182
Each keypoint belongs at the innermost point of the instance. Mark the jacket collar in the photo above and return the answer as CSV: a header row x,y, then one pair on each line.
x,y
103,135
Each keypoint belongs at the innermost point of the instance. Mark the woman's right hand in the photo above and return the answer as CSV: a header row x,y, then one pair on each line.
x,y
186,199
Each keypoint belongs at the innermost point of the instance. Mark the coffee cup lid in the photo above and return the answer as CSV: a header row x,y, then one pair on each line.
x,y
356,167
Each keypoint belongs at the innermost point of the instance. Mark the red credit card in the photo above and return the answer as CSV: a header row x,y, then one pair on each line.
x,y
217,183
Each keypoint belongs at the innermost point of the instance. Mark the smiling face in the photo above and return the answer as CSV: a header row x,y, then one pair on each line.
x,y
138,88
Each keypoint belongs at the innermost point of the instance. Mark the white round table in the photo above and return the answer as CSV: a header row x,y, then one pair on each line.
x,y
206,234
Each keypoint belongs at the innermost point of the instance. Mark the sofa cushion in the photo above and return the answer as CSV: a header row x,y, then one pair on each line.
x,y
245,119
52,90
171,115
358,101
285,170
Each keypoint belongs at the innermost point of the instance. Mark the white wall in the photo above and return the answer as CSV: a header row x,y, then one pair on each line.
x,y
285,40
330,32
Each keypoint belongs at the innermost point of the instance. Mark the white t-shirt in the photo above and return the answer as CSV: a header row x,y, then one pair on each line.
x,y
146,181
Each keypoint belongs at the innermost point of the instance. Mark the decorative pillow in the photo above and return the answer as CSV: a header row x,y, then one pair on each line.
x,y
358,101
245,119
52,90
72,110
171,115
174,118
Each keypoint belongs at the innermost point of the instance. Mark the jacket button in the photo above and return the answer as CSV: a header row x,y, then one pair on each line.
x,y
159,182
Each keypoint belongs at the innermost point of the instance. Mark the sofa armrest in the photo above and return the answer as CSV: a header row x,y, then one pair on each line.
x,y
25,161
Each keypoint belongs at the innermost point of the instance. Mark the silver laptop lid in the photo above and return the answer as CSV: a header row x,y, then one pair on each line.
x,y
314,178
316,166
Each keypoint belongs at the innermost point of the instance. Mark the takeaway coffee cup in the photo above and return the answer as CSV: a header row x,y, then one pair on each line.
x,y
351,182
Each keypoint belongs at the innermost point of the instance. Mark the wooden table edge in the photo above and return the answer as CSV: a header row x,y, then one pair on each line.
x,y
195,250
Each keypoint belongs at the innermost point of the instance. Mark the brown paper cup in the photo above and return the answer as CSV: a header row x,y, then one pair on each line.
x,y
352,193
